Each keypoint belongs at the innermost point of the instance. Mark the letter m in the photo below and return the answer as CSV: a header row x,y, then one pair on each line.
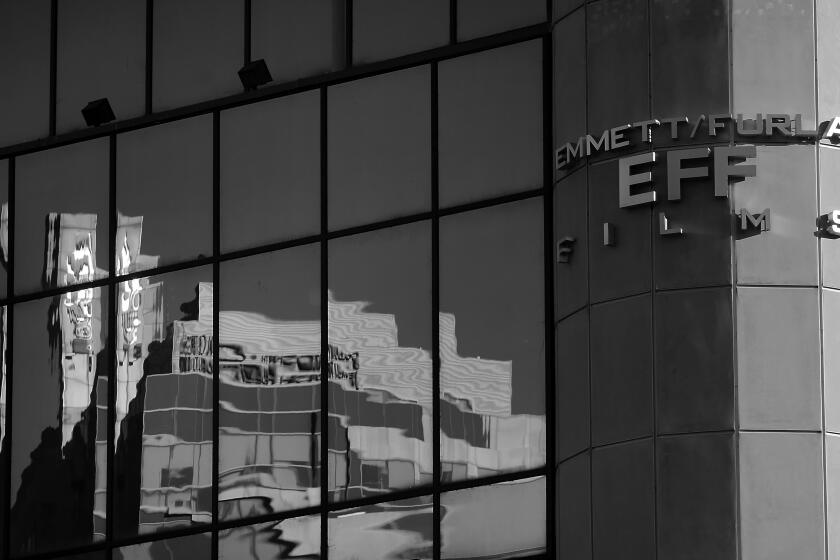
x,y
760,221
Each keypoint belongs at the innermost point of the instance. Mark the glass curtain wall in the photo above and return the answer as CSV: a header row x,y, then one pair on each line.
x,y
309,326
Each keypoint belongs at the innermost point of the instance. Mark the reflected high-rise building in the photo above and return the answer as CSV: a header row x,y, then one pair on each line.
x,y
77,336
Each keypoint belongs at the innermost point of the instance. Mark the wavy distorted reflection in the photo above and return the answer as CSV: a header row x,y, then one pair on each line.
x,y
60,457
504,520
401,529
298,538
164,401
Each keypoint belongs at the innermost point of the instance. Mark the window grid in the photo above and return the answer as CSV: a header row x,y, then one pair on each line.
x,y
111,283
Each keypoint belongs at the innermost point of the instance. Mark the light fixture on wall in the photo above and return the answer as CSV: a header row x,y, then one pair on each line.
x,y
254,74
98,112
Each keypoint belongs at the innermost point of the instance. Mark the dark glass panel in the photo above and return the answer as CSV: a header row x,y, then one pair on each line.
x,y
485,17
192,547
298,38
379,148
391,28
269,392
270,171
491,125
298,538
62,205
59,422
102,53
197,51
400,529
164,405
4,228
505,520
165,194
25,67
492,341
380,362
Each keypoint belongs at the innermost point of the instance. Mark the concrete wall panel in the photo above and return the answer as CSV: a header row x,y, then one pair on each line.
x,y
574,509
773,57
786,184
778,359
618,76
625,268
621,370
781,479
573,407
696,497
622,501
694,361
571,278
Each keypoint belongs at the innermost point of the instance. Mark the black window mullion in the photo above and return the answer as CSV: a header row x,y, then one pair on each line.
x,y
548,291
111,346
325,352
214,551
7,436
436,470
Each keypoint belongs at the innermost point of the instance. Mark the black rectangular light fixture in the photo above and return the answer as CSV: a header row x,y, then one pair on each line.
x,y
98,112
254,74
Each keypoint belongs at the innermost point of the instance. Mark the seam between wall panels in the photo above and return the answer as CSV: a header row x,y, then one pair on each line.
x,y
652,346
586,167
820,291
733,272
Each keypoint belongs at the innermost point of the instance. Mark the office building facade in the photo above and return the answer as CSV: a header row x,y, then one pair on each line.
x,y
393,279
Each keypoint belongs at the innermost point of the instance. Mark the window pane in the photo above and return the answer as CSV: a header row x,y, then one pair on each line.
x,y
4,228
60,422
164,407
380,364
400,529
25,63
192,547
298,38
4,454
490,123
269,373
492,341
197,51
62,205
505,520
102,46
391,28
165,193
379,148
270,171
485,17
291,538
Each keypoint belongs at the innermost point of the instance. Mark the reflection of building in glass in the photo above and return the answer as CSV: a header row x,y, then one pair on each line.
x,y
176,482
76,335
380,410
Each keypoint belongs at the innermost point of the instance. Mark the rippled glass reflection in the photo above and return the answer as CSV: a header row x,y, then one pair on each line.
x,y
492,341
4,227
380,362
60,422
298,538
164,405
61,206
393,530
269,375
4,450
505,520
192,547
